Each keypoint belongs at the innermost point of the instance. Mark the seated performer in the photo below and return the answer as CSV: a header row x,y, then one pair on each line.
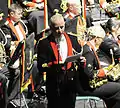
x,y
89,18
15,31
3,68
110,41
35,18
74,22
92,78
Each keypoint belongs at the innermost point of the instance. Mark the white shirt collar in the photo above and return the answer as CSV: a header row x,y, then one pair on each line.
x,y
63,49
73,15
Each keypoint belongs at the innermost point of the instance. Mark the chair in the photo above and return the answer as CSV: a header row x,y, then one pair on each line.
x,y
90,102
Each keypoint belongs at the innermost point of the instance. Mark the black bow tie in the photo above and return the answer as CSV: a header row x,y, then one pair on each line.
x,y
16,23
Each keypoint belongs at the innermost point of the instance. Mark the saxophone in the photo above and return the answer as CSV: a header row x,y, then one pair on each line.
x,y
116,1
113,71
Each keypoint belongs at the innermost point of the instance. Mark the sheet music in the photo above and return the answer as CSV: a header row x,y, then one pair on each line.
x,y
73,58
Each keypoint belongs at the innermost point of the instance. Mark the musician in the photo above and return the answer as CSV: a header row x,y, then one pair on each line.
x,y
52,52
118,41
89,18
93,78
3,69
55,4
1,19
110,40
35,16
15,31
75,23
4,7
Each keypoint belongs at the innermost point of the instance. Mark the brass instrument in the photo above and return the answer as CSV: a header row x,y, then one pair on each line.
x,y
114,73
3,55
116,1
113,70
97,82
63,5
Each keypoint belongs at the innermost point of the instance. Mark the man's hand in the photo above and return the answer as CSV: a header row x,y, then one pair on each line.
x,y
101,73
40,6
82,61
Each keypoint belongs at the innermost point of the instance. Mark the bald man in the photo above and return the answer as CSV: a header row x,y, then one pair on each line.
x,y
75,23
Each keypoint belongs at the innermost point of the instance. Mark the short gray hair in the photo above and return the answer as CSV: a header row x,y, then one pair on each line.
x,y
55,18
14,7
96,31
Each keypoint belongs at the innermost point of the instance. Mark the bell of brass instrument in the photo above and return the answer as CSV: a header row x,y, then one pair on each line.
x,y
113,70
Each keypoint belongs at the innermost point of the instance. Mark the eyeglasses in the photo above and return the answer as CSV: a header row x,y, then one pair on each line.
x,y
118,37
59,27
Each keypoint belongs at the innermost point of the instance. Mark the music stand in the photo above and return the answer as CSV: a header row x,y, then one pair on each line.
x,y
18,55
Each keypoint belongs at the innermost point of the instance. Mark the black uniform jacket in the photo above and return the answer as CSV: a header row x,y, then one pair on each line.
x,y
55,74
8,31
108,44
71,23
87,72
45,53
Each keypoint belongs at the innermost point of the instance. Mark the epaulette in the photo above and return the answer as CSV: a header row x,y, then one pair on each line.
x,y
1,14
44,37
45,33
25,2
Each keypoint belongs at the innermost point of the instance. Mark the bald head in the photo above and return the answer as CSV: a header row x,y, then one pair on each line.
x,y
73,2
74,6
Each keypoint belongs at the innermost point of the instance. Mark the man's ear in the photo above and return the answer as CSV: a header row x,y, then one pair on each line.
x,y
95,39
70,7
11,13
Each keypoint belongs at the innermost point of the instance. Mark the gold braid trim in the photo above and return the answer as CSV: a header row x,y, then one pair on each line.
x,y
63,5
